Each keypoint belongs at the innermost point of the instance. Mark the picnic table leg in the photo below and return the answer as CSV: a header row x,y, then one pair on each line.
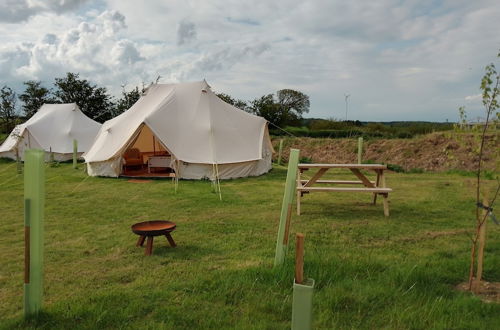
x,y
376,185
386,204
149,246
386,195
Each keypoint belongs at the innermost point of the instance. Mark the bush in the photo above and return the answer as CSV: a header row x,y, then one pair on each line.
x,y
395,168
305,160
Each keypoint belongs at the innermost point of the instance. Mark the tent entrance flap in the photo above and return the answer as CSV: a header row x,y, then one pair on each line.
x,y
145,154
148,143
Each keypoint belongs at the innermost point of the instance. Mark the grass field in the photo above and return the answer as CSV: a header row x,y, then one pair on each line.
x,y
370,271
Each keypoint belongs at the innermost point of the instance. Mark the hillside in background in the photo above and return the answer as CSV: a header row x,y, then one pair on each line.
x,y
432,152
330,128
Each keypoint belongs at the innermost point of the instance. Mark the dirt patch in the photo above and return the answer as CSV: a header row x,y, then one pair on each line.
x,y
488,292
432,152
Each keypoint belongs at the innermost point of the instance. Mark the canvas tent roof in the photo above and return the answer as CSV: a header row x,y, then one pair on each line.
x,y
191,122
54,126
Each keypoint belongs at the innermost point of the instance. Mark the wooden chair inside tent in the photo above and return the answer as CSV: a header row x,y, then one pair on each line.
x,y
132,157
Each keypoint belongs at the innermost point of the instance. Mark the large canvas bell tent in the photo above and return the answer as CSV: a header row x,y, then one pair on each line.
x,y
200,135
52,128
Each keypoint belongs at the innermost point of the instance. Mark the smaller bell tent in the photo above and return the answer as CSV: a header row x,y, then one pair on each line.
x,y
52,128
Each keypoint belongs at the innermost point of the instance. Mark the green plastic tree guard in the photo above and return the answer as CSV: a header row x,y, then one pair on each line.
x,y
360,149
290,186
34,202
75,153
302,305
280,150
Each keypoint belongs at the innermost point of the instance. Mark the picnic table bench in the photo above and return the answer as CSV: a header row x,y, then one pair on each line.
x,y
377,187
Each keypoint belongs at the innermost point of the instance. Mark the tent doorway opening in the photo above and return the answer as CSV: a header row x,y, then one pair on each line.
x,y
146,156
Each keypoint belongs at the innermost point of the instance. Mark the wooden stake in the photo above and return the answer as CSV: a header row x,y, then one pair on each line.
x,y
75,154
481,241
299,259
18,162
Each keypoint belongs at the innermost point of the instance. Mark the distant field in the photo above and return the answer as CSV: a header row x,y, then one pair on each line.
x,y
370,271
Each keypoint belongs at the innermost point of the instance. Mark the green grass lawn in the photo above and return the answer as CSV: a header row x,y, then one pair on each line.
x,y
370,271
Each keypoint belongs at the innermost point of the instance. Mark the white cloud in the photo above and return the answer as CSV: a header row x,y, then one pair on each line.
x,y
473,97
13,11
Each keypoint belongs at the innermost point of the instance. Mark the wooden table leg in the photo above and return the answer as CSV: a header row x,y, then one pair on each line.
x,y
386,204
376,185
299,193
170,240
140,241
149,246
386,196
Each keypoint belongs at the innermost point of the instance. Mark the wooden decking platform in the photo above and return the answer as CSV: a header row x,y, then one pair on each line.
x,y
143,174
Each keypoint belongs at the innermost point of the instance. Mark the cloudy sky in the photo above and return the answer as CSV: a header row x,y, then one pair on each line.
x,y
398,60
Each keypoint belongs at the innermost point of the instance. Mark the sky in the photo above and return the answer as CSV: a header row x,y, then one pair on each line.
x,y
397,60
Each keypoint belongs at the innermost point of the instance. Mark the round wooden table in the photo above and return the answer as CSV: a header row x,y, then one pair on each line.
x,y
153,228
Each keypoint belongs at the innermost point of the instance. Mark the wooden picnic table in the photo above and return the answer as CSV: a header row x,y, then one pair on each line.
x,y
377,187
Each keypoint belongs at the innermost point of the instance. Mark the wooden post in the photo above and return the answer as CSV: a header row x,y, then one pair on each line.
x,y
51,157
360,149
34,202
18,162
299,259
481,242
280,150
75,154
303,290
290,187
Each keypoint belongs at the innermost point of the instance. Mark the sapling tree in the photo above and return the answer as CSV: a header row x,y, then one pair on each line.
x,y
490,90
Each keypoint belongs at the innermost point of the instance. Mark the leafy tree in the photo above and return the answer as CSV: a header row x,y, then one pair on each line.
x,y
490,86
286,109
240,104
8,108
94,101
266,107
34,96
293,104
127,100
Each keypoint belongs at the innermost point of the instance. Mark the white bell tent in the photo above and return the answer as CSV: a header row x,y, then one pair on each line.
x,y
52,128
201,135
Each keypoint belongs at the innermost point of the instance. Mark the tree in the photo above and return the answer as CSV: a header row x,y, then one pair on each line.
x,y
8,108
34,96
293,104
127,100
490,85
240,104
286,109
266,107
94,101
